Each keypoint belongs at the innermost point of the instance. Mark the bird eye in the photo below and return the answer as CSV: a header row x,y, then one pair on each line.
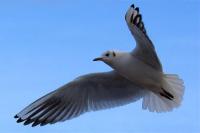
x,y
107,54
114,54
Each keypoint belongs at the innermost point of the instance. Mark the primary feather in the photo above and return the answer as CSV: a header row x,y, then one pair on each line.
x,y
87,93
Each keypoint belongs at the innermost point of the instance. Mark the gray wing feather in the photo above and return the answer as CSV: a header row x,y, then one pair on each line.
x,y
144,50
87,93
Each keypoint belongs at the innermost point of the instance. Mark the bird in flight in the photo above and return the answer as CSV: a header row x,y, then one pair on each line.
x,y
136,75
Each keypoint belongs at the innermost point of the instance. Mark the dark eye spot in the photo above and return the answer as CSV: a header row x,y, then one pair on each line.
x,y
107,54
114,54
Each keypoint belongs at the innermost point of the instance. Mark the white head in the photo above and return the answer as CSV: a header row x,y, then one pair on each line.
x,y
109,57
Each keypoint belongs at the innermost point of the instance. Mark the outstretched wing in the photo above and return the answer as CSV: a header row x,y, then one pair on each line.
x,y
144,50
87,93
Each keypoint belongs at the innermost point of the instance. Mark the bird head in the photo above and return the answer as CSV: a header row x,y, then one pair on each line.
x,y
108,57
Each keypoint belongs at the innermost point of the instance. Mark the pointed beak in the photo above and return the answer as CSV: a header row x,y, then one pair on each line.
x,y
98,59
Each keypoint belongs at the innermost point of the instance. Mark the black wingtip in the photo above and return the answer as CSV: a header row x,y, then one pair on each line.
x,y
167,94
16,116
20,120
132,6
35,123
43,123
137,9
28,122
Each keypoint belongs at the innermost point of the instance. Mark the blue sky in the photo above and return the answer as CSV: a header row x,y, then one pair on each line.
x,y
46,43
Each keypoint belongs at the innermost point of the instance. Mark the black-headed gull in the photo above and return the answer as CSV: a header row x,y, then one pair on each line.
x,y
136,74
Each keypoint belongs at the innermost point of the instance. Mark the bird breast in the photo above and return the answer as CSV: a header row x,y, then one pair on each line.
x,y
138,72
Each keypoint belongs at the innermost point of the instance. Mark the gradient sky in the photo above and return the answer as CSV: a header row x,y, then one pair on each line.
x,y
46,43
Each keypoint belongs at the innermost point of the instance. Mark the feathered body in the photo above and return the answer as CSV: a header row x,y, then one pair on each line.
x,y
137,74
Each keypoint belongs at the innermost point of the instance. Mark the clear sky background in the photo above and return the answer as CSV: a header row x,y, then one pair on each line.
x,y
46,43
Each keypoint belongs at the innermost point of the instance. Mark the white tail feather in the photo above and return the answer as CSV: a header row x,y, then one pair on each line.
x,y
156,103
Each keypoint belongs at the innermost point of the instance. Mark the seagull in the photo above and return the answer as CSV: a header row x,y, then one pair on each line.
x,y
136,75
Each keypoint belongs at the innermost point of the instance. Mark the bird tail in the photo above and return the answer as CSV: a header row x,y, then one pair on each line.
x,y
170,97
